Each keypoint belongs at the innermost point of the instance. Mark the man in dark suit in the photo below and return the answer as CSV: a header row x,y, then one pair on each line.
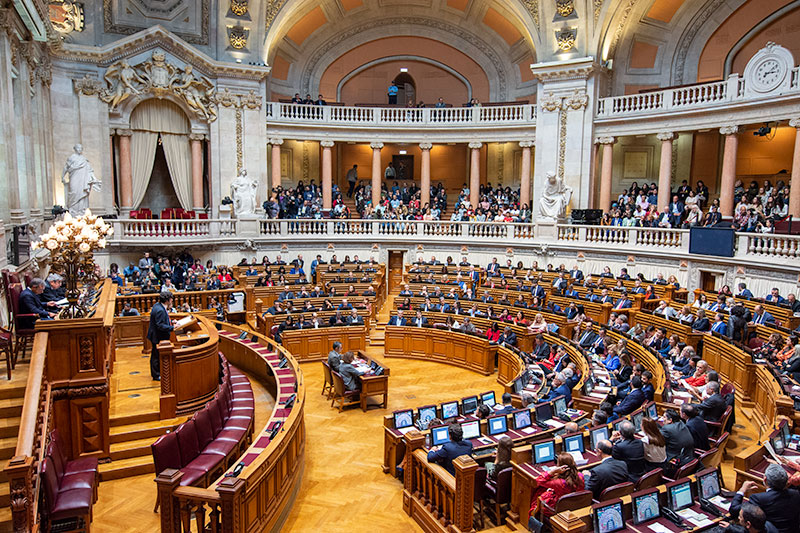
x,y
507,408
398,319
53,290
609,472
629,449
713,407
680,442
419,320
31,304
160,329
587,337
701,323
633,400
537,291
676,209
624,302
450,450
761,316
540,350
560,388
576,273
508,337
780,504
493,269
335,356
697,426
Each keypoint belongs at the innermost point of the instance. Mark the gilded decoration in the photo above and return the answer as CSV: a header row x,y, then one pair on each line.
x,y
566,39
564,8
66,16
250,100
237,37
239,7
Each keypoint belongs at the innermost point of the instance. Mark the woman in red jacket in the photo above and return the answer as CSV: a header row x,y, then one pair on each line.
x,y
493,333
560,481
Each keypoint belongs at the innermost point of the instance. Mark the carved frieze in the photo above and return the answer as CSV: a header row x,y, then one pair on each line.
x,y
66,17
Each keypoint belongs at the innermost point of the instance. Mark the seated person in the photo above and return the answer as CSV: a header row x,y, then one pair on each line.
x,y
774,296
629,449
761,316
369,292
560,388
31,304
713,405
608,473
556,483
419,320
53,291
697,426
345,305
457,447
700,377
507,337
632,401
507,408
127,310
350,376
701,323
335,356
338,319
679,440
780,503
398,319
355,319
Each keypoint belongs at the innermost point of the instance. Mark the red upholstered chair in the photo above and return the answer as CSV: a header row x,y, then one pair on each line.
x,y
499,492
23,333
480,491
7,348
28,278
61,503
134,214
616,491
84,469
570,502
145,213
203,216
649,480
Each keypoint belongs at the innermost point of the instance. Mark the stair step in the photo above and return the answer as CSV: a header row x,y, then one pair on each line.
x,y
11,407
5,495
134,419
9,427
15,391
134,466
131,448
7,447
128,432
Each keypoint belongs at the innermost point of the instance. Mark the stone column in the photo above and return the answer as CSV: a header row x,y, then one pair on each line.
x,y
525,174
196,142
606,172
275,177
728,169
794,184
125,172
425,173
327,175
376,172
665,170
474,172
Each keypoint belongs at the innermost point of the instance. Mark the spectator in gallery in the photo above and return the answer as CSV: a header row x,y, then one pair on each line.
x,y
392,93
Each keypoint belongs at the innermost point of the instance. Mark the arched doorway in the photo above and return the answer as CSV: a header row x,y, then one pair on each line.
x,y
407,88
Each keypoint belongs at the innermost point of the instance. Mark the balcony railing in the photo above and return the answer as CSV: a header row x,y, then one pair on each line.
x,y
400,117
757,247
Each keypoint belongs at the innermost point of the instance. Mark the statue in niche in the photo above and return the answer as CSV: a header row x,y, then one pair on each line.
x,y
555,198
78,179
243,190
121,77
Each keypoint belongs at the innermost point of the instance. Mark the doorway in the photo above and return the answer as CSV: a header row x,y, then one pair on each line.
x,y
407,89
395,271
708,280
403,167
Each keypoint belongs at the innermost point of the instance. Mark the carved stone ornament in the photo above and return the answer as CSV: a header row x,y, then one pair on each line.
x,y
577,100
551,103
88,86
665,136
158,77
729,130
237,37
564,8
226,98
66,16
239,7
565,39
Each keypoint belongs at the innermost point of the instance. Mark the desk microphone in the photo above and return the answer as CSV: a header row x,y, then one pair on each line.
x,y
274,431
290,401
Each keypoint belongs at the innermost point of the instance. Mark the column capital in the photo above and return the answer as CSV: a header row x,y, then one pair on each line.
x,y
124,132
527,144
731,129
475,145
276,142
326,144
196,137
376,145
795,122
605,140
425,146
666,136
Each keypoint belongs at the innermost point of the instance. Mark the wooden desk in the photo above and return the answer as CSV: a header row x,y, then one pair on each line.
x,y
458,349
314,344
374,385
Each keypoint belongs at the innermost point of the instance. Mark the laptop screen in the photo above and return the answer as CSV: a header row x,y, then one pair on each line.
x,y
439,435
544,452
449,410
522,418
544,411
645,506
403,419
469,405
471,429
573,443
497,424
487,398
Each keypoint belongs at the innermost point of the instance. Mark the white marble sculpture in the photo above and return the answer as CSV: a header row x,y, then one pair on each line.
x,y
243,190
555,198
78,179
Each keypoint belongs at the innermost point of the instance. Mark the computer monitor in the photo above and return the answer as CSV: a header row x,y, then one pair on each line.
x,y
597,434
519,384
403,419
787,433
544,452
652,412
588,386
608,516
708,483
544,411
618,423
471,429
439,435
522,418
680,494
469,405
487,398
637,420
574,443
777,443
496,424
645,506
373,365
449,410
425,415
560,405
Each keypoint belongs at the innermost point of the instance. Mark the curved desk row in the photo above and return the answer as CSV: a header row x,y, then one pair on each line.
x,y
259,496
442,346
314,344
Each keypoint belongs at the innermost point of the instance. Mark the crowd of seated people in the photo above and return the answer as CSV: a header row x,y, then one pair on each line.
x,y
758,208
637,207
400,202
303,201
494,205
179,273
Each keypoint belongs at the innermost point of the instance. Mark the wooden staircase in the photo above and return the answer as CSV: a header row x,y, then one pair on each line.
x,y
131,437
11,399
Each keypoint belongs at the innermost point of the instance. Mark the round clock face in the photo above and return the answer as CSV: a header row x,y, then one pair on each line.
x,y
769,73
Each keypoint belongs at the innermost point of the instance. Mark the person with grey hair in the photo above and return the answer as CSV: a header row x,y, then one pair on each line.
x,y
629,449
335,356
714,404
30,304
780,504
560,388
609,472
53,290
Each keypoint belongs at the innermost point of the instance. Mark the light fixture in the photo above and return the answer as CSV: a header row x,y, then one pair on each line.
x,y
403,69
238,60
402,152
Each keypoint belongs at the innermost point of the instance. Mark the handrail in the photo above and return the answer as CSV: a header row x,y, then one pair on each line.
x,y
29,418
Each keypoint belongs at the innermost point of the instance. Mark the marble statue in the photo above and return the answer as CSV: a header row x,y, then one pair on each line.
x,y
122,79
555,198
78,179
197,93
243,190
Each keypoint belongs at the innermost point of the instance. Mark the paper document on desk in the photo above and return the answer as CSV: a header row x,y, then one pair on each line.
x,y
599,395
603,389
719,501
659,528
579,459
185,321
527,430
698,519
554,423
62,302
485,440
406,430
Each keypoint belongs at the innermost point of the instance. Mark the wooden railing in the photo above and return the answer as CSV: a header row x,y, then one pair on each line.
x,y
196,299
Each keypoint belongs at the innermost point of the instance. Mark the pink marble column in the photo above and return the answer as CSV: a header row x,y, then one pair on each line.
x,y
376,172
665,169
327,175
196,142
794,184
606,173
474,173
125,172
525,174
276,162
425,173
728,169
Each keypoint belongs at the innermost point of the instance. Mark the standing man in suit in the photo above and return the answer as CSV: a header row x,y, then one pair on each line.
x,y
457,447
779,503
608,473
160,329
31,304
629,449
